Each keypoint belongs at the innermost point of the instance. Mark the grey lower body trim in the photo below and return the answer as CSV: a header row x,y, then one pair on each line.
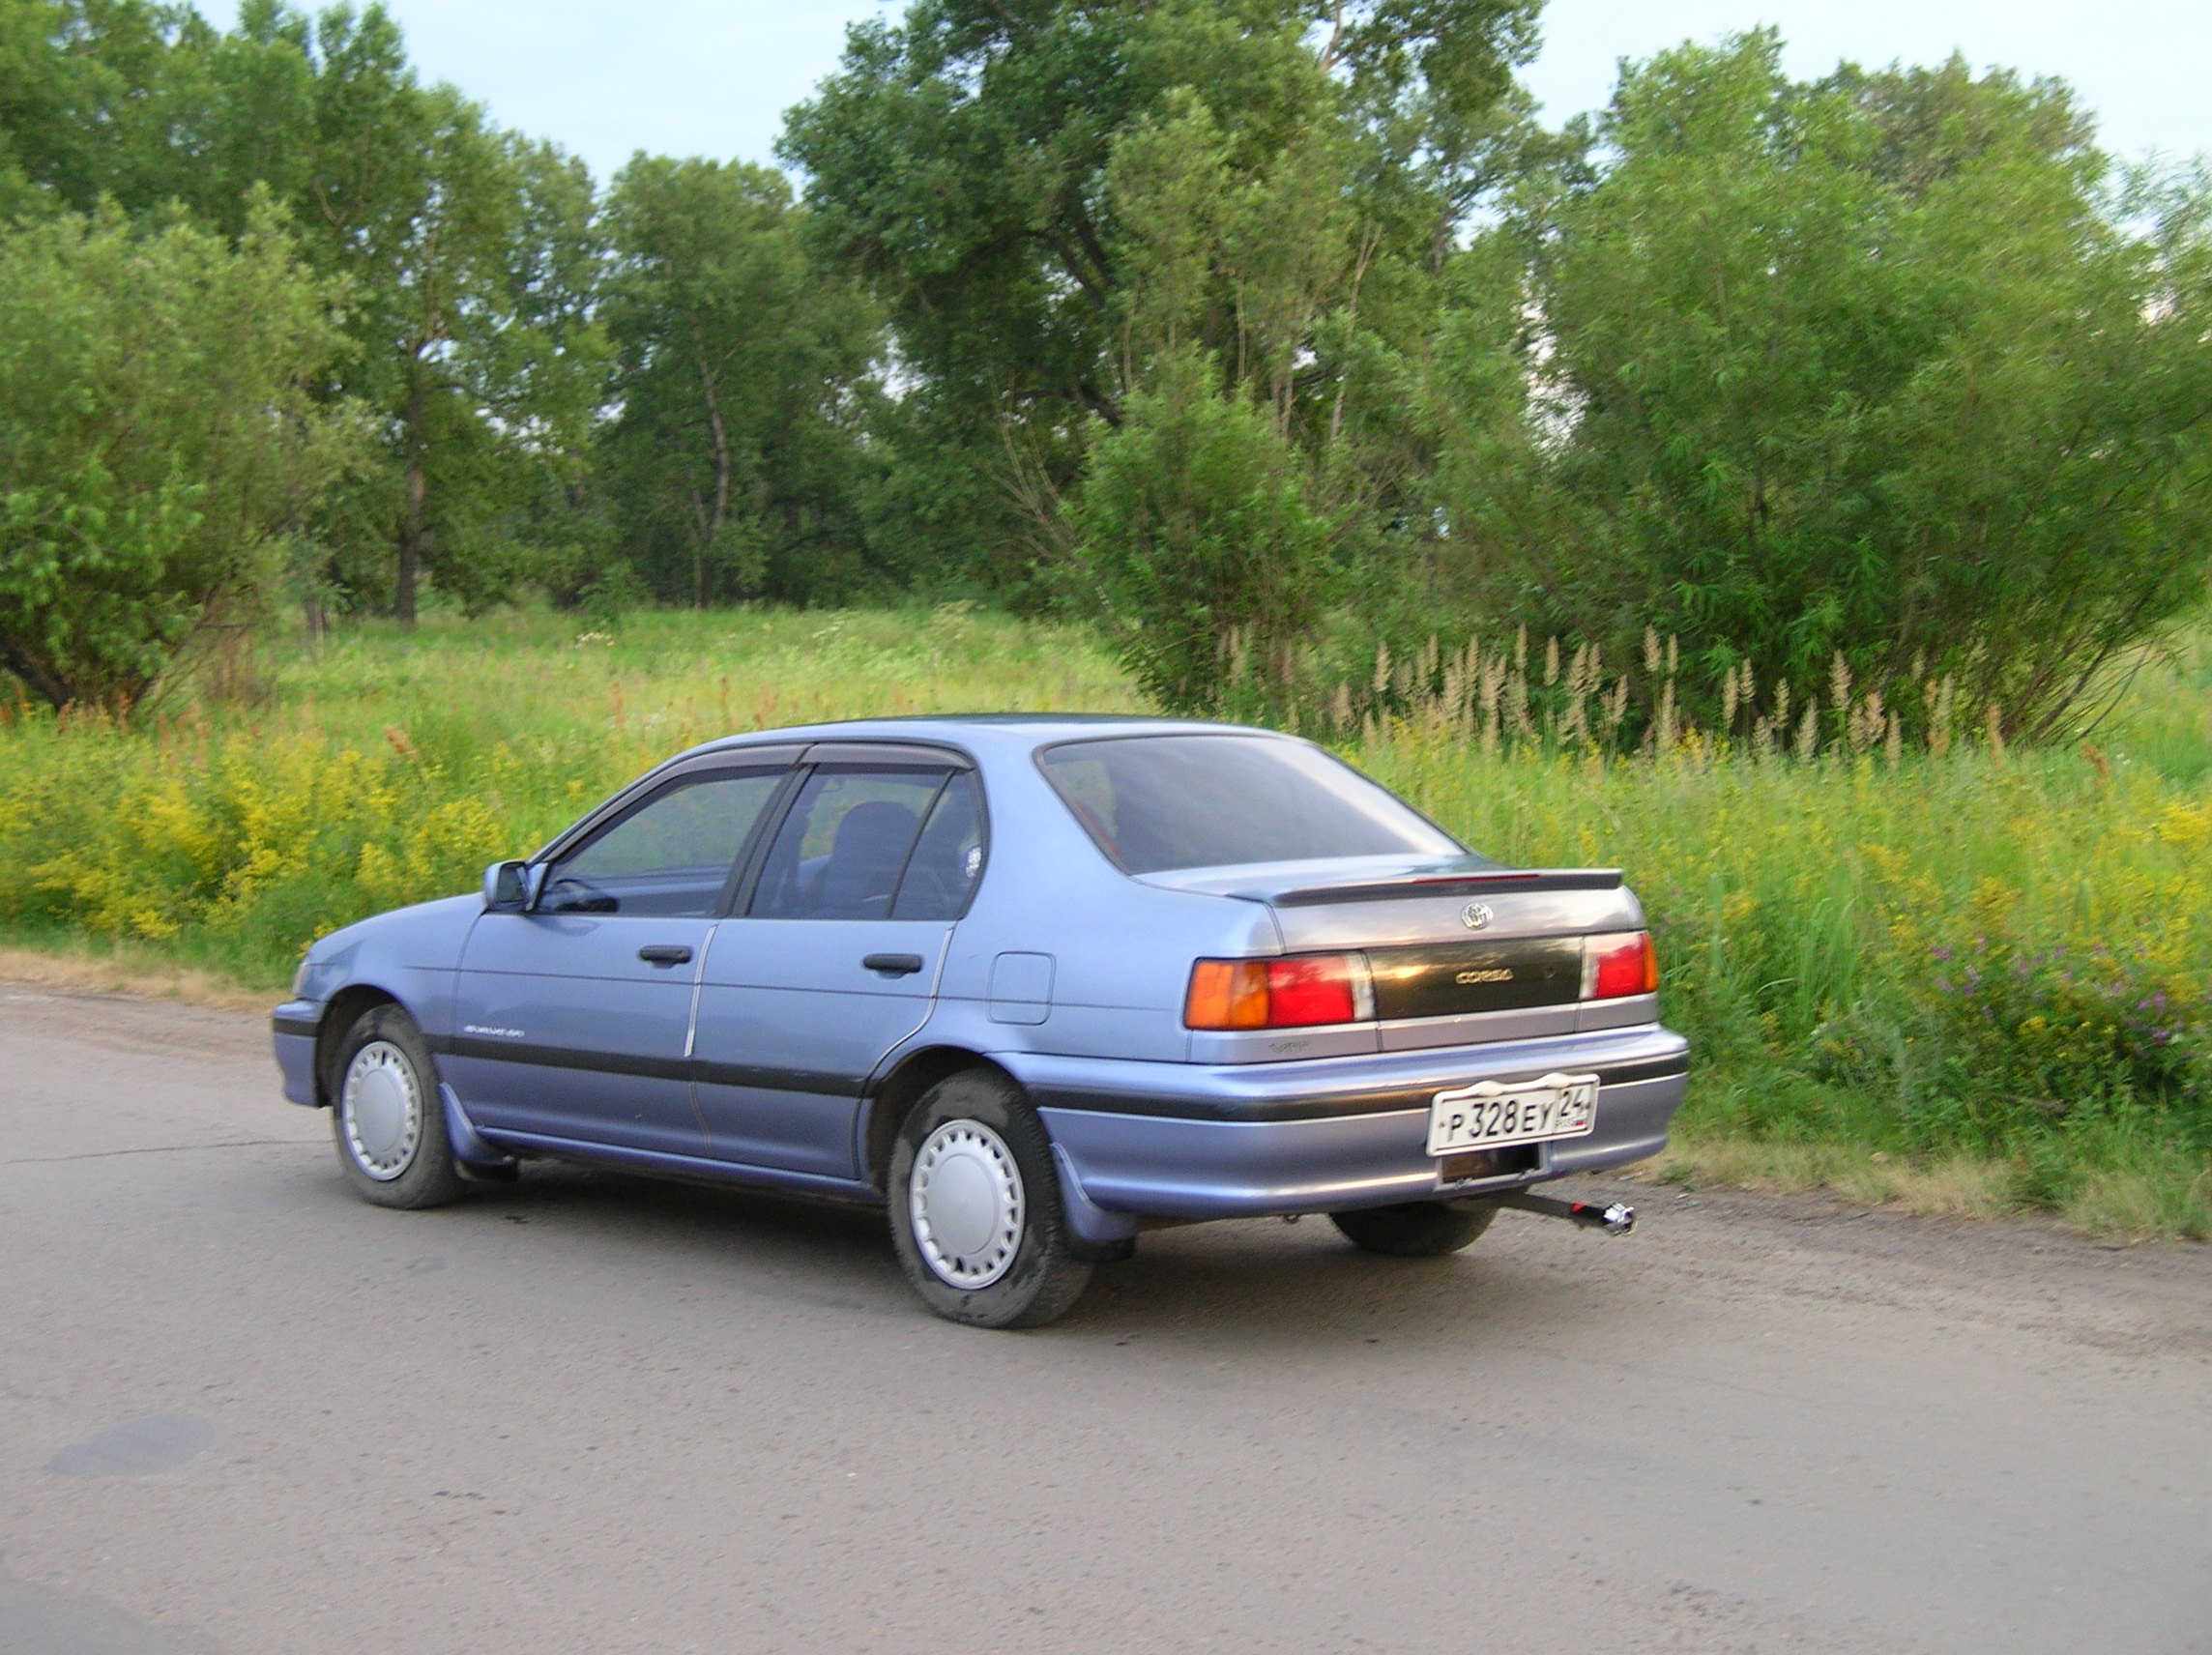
x,y
693,1169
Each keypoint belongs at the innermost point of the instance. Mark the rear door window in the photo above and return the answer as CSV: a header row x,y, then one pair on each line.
x,y
854,845
948,859
1156,804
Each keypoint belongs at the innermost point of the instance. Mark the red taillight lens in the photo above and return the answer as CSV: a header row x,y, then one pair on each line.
x,y
1294,992
1310,991
1623,962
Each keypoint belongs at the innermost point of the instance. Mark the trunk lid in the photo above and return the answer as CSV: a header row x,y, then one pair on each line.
x,y
1459,951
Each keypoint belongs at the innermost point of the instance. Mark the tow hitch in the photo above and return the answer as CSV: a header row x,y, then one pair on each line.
x,y
1617,1219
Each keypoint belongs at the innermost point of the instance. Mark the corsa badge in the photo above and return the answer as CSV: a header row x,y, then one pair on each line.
x,y
1475,915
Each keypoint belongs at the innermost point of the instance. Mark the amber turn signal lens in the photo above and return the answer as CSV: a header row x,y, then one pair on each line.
x,y
1226,993
1619,965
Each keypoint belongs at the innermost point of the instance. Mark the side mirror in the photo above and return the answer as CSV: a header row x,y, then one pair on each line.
x,y
508,887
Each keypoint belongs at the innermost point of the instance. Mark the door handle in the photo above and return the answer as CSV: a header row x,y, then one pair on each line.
x,y
664,953
894,965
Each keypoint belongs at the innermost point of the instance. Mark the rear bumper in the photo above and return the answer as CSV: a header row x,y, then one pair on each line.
x,y
1239,1140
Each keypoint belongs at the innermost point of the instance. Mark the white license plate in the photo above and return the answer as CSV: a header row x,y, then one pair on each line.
x,y
1490,1113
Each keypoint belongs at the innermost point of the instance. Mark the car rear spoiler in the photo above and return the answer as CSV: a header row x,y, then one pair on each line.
x,y
1505,882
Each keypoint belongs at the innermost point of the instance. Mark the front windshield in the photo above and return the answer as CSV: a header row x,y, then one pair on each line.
x,y
1156,804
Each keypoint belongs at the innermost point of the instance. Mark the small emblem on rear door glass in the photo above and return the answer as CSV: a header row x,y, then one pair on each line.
x,y
1477,915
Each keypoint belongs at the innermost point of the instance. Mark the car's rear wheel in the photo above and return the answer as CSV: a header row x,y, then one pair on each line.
x,y
975,1208
387,1117
1416,1229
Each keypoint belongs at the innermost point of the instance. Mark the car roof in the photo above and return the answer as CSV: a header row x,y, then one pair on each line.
x,y
980,732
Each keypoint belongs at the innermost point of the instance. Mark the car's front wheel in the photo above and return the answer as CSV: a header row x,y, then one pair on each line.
x,y
1417,1229
387,1116
976,1207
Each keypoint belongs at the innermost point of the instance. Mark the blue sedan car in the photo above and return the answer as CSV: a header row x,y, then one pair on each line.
x,y
1032,983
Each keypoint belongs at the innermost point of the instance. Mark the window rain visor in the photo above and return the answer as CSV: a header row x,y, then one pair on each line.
x,y
1160,804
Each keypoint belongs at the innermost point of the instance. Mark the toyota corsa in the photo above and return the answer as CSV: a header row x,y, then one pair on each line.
x,y
1032,984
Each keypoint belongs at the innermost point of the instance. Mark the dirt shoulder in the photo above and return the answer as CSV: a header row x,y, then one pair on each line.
x,y
2027,1273
83,972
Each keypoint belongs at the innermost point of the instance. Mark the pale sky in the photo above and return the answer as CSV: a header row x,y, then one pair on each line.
x,y
715,76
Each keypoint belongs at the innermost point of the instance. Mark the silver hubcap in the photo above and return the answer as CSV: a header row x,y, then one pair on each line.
x,y
381,1106
965,1201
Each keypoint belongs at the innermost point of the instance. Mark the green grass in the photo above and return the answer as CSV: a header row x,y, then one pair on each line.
x,y
2163,720
386,766
1997,967
1965,984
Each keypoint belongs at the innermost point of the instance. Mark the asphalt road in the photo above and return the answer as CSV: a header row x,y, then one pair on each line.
x,y
241,1412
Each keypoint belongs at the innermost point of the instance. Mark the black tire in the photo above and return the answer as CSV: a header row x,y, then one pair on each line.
x,y
387,1118
1417,1229
996,1259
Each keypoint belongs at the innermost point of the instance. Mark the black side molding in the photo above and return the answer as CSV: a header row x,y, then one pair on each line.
x,y
648,1069
764,1078
557,1058
1654,1070
306,1027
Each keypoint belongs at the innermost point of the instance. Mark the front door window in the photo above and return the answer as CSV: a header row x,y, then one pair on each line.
x,y
671,856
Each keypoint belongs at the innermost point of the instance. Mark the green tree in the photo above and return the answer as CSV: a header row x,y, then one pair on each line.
x,y
1209,560
159,440
1887,368
90,103
469,254
490,365
733,466
472,258
1011,179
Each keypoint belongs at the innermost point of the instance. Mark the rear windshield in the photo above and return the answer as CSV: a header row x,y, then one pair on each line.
x,y
1159,803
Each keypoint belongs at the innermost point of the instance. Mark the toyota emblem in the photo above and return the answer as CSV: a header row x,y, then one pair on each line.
x,y
1477,916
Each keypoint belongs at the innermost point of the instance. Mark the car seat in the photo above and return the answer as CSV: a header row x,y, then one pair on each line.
x,y
865,861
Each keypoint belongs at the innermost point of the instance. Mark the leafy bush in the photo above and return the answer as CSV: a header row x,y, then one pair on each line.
x,y
2062,1024
156,437
1204,559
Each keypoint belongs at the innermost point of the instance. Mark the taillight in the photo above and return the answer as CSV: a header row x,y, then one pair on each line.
x,y
1294,992
1621,963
